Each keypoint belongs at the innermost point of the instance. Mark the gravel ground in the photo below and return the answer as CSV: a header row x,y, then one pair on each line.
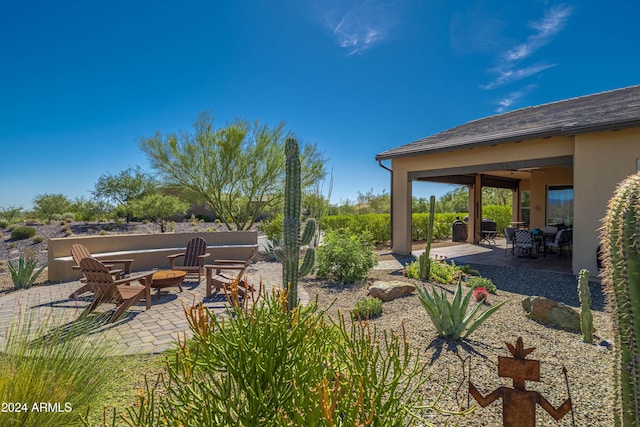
x,y
589,366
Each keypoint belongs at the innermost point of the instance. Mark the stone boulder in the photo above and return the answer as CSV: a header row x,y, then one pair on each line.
x,y
551,313
386,291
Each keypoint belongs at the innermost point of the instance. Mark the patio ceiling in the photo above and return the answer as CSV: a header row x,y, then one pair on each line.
x,y
499,174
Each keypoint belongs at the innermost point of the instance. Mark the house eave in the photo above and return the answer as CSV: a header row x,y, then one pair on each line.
x,y
507,137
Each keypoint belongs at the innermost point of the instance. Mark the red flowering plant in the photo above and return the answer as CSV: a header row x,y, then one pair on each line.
x,y
480,294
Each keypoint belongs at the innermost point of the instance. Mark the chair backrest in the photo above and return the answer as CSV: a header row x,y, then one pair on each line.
x,y
79,252
509,234
550,229
523,236
196,247
99,279
564,236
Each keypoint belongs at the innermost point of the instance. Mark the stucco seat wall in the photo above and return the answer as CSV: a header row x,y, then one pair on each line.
x,y
148,250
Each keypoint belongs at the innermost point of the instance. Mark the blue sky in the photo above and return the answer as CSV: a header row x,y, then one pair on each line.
x,y
81,82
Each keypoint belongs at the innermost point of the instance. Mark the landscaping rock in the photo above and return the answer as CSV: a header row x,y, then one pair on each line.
x,y
387,291
551,313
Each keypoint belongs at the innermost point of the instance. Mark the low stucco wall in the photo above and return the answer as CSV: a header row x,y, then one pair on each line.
x,y
147,250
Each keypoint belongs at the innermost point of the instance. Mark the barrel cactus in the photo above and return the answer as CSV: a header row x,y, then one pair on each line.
x,y
291,268
620,242
586,318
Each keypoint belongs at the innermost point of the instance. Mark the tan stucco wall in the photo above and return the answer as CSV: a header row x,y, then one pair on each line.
x,y
147,250
401,192
601,161
540,180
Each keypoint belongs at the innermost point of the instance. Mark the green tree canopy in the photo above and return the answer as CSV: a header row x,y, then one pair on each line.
x,y
48,205
159,208
124,187
238,170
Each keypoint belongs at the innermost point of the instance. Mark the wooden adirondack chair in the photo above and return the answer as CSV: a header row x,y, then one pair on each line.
x,y
194,257
79,252
109,290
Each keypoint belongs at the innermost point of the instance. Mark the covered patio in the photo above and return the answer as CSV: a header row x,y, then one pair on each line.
x,y
561,160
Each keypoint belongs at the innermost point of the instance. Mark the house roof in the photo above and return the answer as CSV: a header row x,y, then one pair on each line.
x,y
611,110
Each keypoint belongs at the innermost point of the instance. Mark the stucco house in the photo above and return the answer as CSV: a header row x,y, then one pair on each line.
x,y
562,160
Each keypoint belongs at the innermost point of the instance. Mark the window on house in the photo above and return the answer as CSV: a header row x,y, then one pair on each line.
x,y
525,207
560,205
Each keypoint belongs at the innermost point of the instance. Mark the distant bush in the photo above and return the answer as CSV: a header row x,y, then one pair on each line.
x,y
501,214
23,232
38,239
345,257
4,223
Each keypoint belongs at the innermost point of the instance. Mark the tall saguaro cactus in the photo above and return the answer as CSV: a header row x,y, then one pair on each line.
x,y
586,318
621,252
291,270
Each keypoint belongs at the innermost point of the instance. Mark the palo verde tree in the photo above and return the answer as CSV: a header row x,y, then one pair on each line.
x,y
48,205
159,208
124,187
237,170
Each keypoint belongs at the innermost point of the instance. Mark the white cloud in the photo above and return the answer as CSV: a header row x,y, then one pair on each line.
x,y
359,25
545,29
507,76
509,100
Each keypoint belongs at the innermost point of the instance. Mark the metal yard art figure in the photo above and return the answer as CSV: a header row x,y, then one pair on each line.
x,y
518,403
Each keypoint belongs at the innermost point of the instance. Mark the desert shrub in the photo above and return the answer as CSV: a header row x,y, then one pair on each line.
x,y
57,365
4,223
466,269
267,366
450,318
377,225
367,308
38,239
440,272
103,232
480,295
444,272
273,227
345,257
481,282
68,232
23,232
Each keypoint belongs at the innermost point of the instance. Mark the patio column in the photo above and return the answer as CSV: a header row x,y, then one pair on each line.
x,y
475,211
515,203
401,227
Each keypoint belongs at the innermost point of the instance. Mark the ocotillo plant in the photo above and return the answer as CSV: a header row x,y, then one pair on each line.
x,y
586,318
291,270
424,259
620,241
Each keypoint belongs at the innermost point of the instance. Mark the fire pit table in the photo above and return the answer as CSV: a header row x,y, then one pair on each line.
x,y
166,278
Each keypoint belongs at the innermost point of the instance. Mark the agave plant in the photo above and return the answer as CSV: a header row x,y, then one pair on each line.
x,y
450,318
25,273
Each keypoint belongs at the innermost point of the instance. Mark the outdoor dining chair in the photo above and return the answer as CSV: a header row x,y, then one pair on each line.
x,y
563,239
524,242
510,237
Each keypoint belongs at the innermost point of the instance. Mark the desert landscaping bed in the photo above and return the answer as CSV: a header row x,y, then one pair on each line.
x,y
589,366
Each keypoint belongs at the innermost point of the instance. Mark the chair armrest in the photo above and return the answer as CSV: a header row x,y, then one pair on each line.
x,y
174,256
134,278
